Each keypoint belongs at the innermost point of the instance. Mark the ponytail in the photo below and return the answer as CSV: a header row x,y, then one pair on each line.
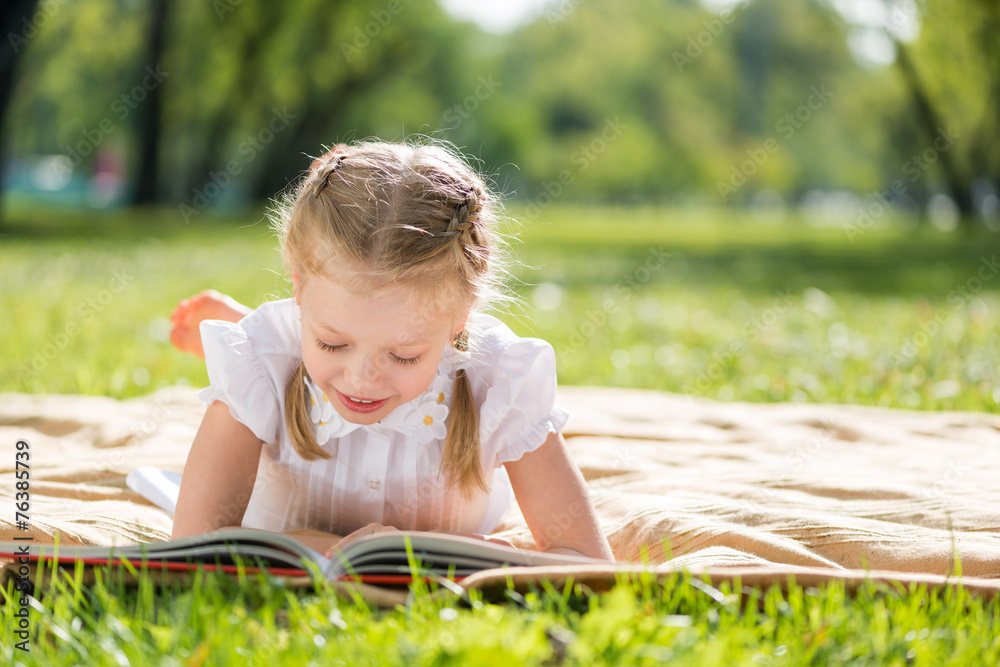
x,y
300,428
460,461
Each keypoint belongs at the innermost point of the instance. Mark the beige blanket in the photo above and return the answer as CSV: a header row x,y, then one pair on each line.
x,y
678,482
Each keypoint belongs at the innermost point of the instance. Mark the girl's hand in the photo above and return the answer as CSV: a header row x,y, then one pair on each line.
x,y
370,529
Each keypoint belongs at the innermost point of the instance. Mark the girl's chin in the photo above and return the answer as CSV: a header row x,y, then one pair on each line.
x,y
365,419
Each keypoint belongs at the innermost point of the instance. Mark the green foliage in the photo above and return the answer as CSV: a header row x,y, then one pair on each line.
x,y
632,100
957,57
63,92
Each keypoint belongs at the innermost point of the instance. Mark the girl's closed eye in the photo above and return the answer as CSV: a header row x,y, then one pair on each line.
x,y
327,347
405,361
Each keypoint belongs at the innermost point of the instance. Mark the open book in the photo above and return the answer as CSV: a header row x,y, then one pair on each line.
x,y
394,557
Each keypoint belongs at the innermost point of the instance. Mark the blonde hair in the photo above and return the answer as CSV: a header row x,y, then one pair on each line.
x,y
378,214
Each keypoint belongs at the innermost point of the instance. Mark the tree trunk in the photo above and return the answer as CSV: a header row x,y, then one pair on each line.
x,y
16,29
150,111
958,182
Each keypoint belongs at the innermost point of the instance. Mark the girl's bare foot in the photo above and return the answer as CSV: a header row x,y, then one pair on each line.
x,y
189,313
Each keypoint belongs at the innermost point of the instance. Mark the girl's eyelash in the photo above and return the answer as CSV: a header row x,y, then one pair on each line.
x,y
327,346
406,361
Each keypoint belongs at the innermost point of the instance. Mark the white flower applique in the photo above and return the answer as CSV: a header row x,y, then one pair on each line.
x,y
440,391
428,421
321,413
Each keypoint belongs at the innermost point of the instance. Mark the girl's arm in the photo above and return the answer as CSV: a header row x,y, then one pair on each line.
x,y
555,503
218,476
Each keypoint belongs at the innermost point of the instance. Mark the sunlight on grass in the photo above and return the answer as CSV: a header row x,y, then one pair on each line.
x,y
219,620
715,306
703,304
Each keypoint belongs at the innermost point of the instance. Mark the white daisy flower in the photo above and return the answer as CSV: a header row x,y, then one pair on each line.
x,y
428,421
447,365
321,412
322,432
439,391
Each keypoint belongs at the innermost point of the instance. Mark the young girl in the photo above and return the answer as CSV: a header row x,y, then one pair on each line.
x,y
379,397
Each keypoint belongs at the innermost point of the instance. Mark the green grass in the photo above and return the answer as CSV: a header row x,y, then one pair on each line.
x,y
256,620
746,311
705,303
731,308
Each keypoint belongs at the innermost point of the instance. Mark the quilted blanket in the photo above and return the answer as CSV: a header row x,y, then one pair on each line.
x,y
823,491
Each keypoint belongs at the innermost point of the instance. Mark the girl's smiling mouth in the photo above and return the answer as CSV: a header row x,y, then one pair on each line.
x,y
362,405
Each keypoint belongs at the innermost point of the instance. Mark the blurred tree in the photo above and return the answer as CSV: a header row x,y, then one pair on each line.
x,y
283,80
644,98
222,76
149,124
594,103
16,20
626,100
952,72
75,98
793,118
368,69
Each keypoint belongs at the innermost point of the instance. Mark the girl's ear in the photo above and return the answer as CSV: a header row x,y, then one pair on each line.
x,y
296,281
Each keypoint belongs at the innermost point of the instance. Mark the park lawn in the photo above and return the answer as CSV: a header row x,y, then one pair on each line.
x,y
698,303
704,303
255,620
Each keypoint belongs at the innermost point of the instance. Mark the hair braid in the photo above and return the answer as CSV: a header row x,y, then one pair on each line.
x,y
297,417
460,461
324,172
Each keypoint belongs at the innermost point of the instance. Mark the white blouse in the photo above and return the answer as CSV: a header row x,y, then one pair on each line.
x,y
387,472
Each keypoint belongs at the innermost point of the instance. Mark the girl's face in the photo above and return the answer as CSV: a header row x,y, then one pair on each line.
x,y
370,354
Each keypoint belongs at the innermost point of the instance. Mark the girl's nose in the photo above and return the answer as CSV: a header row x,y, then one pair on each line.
x,y
362,373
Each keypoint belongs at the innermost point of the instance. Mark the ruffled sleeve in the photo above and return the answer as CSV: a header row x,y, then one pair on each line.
x,y
519,412
249,365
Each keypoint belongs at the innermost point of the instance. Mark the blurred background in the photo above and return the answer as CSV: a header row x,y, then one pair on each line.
x,y
767,104
759,200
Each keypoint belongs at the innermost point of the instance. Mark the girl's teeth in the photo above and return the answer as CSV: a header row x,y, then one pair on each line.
x,y
358,400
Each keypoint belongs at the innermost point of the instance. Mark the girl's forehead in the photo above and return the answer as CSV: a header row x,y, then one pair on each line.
x,y
400,311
